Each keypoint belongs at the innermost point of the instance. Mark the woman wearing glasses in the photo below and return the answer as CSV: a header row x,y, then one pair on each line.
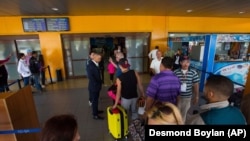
x,y
164,114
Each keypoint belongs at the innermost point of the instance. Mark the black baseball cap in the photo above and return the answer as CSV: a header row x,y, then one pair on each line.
x,y
124,63
183,58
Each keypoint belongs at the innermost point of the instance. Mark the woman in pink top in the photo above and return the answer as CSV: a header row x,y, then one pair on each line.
x,y
111,71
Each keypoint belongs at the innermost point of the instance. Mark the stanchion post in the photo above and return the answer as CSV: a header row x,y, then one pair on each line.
x,y
19,83
50,75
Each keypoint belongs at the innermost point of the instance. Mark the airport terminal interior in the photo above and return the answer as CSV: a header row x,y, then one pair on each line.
x,y
71,97
214,34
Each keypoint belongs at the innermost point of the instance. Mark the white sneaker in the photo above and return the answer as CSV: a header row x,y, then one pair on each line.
x,y
43,86
90,103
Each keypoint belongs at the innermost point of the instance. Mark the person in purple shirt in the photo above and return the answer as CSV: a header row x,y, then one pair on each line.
x,y
164,86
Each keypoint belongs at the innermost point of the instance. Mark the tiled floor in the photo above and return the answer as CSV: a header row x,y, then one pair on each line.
x,y
71,96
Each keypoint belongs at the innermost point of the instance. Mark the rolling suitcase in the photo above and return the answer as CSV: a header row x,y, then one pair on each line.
x,y
117,122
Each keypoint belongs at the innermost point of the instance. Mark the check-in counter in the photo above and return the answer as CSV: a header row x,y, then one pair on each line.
x,y
17,111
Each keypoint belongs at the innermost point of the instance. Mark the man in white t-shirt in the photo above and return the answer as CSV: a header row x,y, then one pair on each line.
x,y
155,64
152,53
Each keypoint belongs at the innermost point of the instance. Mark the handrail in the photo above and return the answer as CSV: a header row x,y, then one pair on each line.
x,y
19,80
12,83
210,73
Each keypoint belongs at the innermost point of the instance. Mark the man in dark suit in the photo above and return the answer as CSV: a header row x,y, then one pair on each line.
x,y
95,83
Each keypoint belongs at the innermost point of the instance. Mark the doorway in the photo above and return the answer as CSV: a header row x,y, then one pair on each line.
x,y
76,48
16,45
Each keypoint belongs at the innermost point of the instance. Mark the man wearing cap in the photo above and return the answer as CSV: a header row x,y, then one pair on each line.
x,y
95,83
127,84
189,86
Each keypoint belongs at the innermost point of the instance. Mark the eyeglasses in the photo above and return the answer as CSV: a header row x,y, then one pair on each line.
x,y
161,109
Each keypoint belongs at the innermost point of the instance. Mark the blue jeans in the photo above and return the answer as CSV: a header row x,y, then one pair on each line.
x,y
36,77
26,80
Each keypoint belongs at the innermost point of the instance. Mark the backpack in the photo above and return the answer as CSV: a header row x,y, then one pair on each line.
x,y
235,98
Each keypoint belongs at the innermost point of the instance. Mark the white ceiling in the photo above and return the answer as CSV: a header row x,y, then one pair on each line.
x,y
201,8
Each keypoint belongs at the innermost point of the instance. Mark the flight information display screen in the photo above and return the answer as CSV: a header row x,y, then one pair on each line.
x,y
57,24
34,24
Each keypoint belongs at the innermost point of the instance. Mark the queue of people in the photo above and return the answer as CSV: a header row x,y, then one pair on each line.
x,y
177,86
29,67
168,97
160,89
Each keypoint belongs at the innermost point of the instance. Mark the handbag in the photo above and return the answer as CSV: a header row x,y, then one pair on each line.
x,y
112,92
137,130
141,104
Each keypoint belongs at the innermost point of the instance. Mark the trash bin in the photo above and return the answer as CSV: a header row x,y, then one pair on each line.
x,y
59,74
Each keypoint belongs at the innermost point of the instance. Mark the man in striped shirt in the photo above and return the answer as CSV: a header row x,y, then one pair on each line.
x,y
164,86
189,86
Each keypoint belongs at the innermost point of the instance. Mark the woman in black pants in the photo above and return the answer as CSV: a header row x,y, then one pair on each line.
x,y
4,75
42,69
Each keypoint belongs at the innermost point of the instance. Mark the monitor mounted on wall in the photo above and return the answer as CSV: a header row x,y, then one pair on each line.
x,y
34,24
58,24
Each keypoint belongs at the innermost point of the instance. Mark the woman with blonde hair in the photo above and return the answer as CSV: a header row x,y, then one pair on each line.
x,y
164,114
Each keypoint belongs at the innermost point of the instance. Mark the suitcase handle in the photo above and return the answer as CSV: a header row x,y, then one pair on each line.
x,y
113,111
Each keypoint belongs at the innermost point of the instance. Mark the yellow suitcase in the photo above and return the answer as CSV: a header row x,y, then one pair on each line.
x,y
117,122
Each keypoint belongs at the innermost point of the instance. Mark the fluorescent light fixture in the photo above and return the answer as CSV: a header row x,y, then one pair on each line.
x,y
241,12
189,10
171,35
127,9
55,9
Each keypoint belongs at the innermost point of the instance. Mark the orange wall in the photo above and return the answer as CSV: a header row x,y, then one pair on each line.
x,y
209,25
159,32
51,48
159,26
